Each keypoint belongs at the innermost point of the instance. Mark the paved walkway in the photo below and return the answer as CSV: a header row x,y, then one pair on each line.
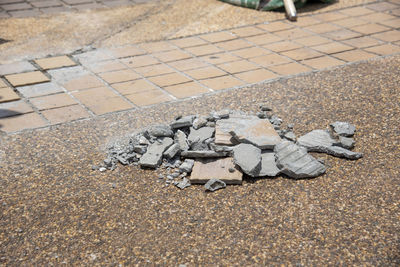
x,y
55,90
30,8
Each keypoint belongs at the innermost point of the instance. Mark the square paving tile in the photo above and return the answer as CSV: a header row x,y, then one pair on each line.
x,y
16,67
223,82
21,122
356,11
83,82
394,23
119,76
186,90
52,101
382,6
290,68
40,89
350,22
105,66
220,58
302,53
292,34
331,48
139,61
204,73
377,17
282,46
55,62
322,28
262,39
203,50
312,40
323,62
251,52
255,76
172,55
275,26
303,21
389,36
354,55
370,28
7,94
154,70
128,51
386,49
188,42
342,35
247,31
14,108
27,78
268,60
65,114
216,37
2,84
233,44
154,47
133,87
146,98
238,66
330,16
187,64
362,42
169,79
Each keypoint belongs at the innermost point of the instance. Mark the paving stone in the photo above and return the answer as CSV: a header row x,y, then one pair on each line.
x,y
172,151
183,122
294,161
201,134
343,128
39,89
52,101
55,62
3,84
7,94
214,184
16,67
186,166
27,78
268,165
248,158
14,108
21,122
160,130
316,139
65,114
180,138
223,169
203,154
153,157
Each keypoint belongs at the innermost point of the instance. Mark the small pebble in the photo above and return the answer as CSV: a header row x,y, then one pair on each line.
x,y
231,170
102,169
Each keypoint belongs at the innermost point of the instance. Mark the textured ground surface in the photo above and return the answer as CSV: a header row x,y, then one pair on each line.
x,y
54,209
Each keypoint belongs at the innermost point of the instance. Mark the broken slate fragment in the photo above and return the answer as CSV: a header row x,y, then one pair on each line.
x,y
172,151
199,122
201,134
203,154
183,184
181,140
341,152
343,128
268,165
186,166
295,162
316,140
248,157
346,142
214,184
153,157
290,136
160,130
224,169
183,122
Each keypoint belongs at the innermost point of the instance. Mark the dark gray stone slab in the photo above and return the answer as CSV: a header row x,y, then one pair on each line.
x,y
203,154
343,128
183,122
295,162
153,157
316,140
160,130
214,184
181,140
172,151
248,158
268,165
201,134
187,166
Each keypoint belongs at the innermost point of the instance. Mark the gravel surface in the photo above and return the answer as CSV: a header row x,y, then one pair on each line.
x,y
55,209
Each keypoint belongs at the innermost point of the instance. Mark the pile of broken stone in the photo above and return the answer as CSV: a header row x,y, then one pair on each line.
x,y
220,148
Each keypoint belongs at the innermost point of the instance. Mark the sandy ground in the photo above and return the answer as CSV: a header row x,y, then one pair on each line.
x,y
54,210
67,32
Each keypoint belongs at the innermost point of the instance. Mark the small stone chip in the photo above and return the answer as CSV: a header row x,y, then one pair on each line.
x,y
214,184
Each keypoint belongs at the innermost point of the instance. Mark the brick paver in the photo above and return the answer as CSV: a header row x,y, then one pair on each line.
x,y
64,88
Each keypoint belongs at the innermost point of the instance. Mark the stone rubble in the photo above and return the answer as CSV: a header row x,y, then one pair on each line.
x,y
227,146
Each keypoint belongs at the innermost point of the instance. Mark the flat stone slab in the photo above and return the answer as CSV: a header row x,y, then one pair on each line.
x,y
203,154
295,162
223,169
153,157
201,134
268,165
316,139
248,158
247,129
343,128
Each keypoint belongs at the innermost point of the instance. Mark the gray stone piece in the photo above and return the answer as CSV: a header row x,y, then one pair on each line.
x,y
199,122
346,142
316,140
290,136
172,151
255,131
295,162
153,157
183,122
186,166
218,148
341,152
343,128
201,134
181,140
141,149
183,184
248,158
203,154
268,165
214,184
160,130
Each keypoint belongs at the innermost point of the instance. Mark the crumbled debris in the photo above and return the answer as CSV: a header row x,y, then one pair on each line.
x,y
220,148
214,184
